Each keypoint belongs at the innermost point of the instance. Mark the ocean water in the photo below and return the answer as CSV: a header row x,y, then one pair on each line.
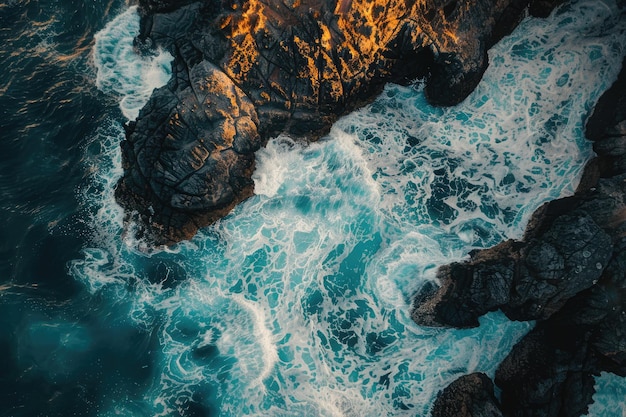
x,y
298,302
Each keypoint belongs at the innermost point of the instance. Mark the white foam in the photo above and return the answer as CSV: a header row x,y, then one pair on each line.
x,y
298,302
103,264
268,180
263,336
92,269
287,250
121,70
608,401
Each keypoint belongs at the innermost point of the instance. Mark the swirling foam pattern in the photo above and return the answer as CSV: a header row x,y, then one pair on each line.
x,y
121,71
298,302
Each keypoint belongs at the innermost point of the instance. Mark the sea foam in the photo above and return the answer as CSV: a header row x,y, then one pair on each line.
x,y
298,302
121,71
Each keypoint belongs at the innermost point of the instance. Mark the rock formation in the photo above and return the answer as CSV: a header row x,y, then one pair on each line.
x,y
245,71
469,396
568,273
532,279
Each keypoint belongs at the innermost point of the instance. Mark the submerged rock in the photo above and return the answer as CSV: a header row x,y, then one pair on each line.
x,y
569,273
245,71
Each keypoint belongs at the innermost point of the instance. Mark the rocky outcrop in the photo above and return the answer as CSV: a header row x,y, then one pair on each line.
x,y
203,157
469,396
245,71
569,273
534,278
550,372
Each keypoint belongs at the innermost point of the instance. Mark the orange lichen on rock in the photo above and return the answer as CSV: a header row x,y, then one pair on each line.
x,y
243,28
322,56
325,55
247,70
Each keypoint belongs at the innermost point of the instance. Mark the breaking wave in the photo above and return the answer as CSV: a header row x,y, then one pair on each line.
x,y
297,303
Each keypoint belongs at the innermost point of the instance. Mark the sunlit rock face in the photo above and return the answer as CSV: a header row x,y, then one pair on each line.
x,y
245,71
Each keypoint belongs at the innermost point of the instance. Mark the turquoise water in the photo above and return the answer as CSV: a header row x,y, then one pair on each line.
x,y
298,302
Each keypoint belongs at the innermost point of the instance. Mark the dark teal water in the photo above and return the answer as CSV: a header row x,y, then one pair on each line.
x,y
297,304
50,110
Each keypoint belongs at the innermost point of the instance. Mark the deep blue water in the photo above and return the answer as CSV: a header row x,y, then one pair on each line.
x,y
298,302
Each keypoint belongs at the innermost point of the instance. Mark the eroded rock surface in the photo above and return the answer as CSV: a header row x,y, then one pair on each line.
x,y
550,371
245,71
469,396
528,280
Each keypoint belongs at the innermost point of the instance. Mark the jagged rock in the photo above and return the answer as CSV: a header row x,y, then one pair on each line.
x,y
283,67
567,259
609,343
162,6
469,396
604,307
550,371
205,157
527,280
569,275
582,315
547,374
567,245
468,290
543,8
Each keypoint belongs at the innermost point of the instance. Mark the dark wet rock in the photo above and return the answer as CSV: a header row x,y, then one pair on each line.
x,y
609,343
162,6
569,273
607,129
527,280
550,371
602,312
453,79
469,396
203,160
547,375
247,71
565,260
476,26
467,291
543,8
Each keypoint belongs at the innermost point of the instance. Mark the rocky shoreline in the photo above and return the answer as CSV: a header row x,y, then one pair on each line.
x,y
246,71
568,273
